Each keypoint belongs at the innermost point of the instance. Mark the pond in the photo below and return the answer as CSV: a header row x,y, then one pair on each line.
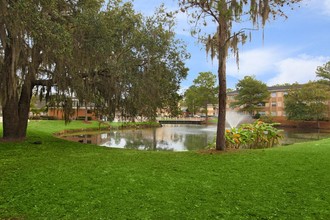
x,y
177,137
295,135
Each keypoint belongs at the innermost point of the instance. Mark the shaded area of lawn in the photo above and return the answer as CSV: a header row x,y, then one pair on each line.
x,y
63,180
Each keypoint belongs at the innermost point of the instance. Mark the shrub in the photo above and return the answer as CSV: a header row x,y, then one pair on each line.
x,y
252,136
46,117
256,135
35,117
267,119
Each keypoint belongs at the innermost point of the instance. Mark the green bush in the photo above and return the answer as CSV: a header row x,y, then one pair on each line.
x,y
251,136
267,118
46,117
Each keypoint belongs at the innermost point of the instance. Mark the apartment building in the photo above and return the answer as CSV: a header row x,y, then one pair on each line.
x,y
77,113
273,107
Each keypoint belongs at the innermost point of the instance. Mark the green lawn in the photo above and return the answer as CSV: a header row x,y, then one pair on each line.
x,y
65,180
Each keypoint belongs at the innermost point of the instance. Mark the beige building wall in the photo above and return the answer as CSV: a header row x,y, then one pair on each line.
x,y
274,106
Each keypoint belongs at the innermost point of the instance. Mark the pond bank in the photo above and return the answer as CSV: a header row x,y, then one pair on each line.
x,y
303,124
110,126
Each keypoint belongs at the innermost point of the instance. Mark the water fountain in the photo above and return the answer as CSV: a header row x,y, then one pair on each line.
x,y
234,118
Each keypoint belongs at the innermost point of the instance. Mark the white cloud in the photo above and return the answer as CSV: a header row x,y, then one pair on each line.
x,y
327,7
319,5
254,62
299,69
276,64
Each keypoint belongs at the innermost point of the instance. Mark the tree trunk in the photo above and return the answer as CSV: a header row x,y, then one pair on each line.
x,y
16,114
206,115
86,112
24,108
10,96
10,119
221,127
15,106
222,55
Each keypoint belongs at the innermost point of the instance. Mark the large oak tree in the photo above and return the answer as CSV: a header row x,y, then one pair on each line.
x,y
140,71
35,42
111,56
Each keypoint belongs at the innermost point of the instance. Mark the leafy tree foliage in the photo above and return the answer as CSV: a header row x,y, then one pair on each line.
x,y
225,14
282,84
256,135
202,93
307,102
35,38
323,72
251,93
115,58
190,97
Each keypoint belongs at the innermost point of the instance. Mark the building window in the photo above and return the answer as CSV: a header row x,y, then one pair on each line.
x,y
273,95
273,114
274,104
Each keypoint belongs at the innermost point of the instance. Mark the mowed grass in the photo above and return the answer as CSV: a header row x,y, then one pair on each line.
x,y
65,180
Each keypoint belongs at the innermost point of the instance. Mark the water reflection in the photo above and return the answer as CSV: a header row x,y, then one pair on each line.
x,y
168,137
178,137
295,135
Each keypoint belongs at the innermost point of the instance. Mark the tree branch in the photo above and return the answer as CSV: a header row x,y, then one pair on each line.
x,y
43,82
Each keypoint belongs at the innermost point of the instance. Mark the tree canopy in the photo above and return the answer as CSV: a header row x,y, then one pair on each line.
x,y
202,92
251,93
323,72
35,45
111,56
307,102
142,73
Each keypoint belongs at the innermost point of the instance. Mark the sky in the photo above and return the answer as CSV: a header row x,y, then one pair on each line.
x,y
290,51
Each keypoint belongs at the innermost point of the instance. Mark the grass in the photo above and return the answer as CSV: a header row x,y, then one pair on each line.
x,y
65,180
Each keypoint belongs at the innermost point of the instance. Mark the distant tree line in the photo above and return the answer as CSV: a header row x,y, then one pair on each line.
x,y
308,101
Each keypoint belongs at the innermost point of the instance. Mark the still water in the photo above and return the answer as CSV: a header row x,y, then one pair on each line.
x,y
176,137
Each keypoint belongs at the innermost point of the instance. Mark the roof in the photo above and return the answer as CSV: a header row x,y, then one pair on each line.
x,y
270,89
